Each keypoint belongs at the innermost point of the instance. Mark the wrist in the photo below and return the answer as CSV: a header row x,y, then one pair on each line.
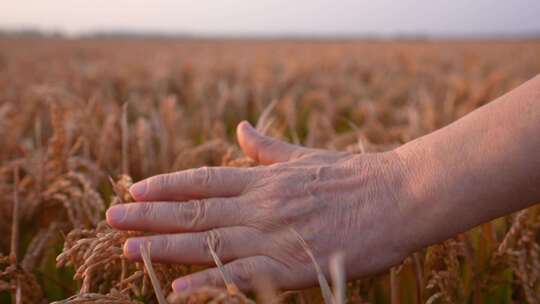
x,y
422,195
400,178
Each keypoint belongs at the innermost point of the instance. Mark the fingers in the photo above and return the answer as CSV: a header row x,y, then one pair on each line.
x,y
192,248
266,150
193,183
242,272
169,217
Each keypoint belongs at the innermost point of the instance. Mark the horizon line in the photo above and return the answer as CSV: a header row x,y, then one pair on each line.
x,y
164,34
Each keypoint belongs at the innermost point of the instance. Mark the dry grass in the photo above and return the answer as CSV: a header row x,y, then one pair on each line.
x,y
73,113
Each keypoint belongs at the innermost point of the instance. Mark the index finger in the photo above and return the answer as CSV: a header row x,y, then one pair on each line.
x,y
189,184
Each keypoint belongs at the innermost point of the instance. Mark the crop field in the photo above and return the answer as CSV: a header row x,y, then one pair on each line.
x,y
81,119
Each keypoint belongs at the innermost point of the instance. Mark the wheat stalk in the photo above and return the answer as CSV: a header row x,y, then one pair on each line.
x,y
229,284
323,283
145,254
15,219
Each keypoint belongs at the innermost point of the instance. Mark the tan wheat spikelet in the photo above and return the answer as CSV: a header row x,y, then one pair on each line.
x,y
96,298
209,295
57,148
521,251
443,273
97,256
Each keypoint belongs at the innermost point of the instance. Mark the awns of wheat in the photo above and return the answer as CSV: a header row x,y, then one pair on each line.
x,y
520,250
98,258
51,190
92,247
108,277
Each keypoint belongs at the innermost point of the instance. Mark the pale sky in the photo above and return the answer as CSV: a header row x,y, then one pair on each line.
x,y
277,17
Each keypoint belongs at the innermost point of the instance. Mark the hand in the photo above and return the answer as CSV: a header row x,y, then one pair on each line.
x,y
335,201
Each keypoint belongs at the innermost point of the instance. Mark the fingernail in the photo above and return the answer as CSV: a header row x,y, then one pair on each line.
x,y
115,214
180,285
132,248
250,127
138,190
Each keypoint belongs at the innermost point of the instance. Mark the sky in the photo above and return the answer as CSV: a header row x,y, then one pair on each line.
x,y
277,17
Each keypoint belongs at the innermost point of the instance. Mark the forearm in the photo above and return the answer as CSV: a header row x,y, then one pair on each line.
x,y
483,166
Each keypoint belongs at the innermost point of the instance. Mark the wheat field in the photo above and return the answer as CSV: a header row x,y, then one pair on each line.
x,y
80,120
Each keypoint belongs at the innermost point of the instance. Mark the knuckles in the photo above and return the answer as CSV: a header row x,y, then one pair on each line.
x,y
243,273
159,182
215,239
190,215
167,247
140,211
202,176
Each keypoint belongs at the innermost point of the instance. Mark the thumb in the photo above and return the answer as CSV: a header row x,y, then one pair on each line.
x,y
263,149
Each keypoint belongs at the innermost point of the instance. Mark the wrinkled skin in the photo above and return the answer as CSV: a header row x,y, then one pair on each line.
x,y
335,201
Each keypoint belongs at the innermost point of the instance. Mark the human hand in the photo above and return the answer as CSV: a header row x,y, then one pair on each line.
x,y
335,201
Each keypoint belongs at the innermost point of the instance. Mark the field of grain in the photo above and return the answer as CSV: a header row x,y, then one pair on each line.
x,y
75,114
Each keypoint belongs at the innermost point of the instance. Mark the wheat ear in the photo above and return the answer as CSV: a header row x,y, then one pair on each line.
x,y
15,219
